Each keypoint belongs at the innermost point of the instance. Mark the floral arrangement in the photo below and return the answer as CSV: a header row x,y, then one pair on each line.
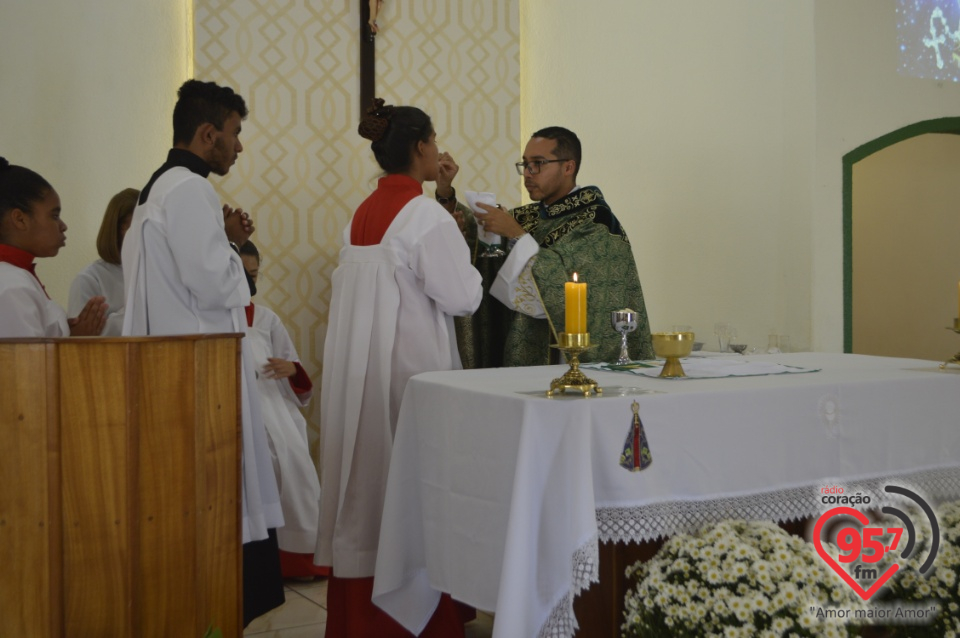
x,y
939,586
736,579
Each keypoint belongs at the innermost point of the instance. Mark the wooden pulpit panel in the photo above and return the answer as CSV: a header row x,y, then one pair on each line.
x,y
136,448
30,550
99,497
168,503
218,486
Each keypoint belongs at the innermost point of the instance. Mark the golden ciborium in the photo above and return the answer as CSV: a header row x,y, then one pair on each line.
x,y
672,346
956,357
572,344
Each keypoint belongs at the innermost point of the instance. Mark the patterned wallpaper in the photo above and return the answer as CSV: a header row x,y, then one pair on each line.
x,y
304,169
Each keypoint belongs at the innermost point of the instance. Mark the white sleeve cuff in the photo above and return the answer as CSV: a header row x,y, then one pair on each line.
x,y
514,285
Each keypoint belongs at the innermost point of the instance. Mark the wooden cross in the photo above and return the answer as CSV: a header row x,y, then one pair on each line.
x,y
368,36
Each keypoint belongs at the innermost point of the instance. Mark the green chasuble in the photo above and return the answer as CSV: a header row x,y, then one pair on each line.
x,y
578,233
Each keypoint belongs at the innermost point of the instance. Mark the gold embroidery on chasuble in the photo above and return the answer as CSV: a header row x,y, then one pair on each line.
x,y
526,296
568,226
528,217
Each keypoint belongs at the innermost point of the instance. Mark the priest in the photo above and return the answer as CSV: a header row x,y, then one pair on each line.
x,y
182,275
568,229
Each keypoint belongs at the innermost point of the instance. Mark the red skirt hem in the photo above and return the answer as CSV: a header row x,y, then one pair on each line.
x,y
352,614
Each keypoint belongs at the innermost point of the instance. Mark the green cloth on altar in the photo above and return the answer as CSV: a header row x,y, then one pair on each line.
x,y
578,233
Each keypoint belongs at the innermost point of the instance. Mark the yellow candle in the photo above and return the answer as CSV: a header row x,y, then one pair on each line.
x,y
576,306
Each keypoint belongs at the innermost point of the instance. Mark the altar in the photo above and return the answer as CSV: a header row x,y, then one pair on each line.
x,y
501,496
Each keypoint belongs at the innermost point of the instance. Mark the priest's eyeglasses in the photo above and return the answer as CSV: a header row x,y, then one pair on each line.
x,y
534,166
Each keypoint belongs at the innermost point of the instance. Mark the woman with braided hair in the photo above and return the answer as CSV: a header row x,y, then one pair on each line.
x,y
404,273
30,227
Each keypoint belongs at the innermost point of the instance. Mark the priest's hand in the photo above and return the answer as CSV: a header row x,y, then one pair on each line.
x,y
237,225
91,320
279,368
498,220
448,170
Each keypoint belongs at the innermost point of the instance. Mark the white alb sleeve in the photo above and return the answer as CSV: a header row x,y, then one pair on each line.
x,y
514,285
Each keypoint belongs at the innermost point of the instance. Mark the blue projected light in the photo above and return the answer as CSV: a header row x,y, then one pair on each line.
x,y
928,35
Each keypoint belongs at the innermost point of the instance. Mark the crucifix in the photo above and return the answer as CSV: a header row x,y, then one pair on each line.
x,y
369,9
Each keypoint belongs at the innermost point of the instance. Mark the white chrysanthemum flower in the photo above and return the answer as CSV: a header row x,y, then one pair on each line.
x,y
832,632
780,625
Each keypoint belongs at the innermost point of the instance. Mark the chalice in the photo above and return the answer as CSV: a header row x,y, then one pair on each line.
x,y
672,346
623,321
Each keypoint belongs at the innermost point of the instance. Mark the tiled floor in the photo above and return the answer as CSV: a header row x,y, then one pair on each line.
x,y
304,615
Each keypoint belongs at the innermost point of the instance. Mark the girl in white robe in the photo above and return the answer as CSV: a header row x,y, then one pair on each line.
x,y
30,227
284,389
404,273
104,277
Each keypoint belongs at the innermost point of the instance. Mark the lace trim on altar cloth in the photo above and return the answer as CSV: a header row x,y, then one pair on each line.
x,y
649,522
562,623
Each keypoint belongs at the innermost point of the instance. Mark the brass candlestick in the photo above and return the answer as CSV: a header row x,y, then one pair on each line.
x,y
572,344
956,357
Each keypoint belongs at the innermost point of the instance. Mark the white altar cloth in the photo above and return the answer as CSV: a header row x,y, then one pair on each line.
x,y
499,495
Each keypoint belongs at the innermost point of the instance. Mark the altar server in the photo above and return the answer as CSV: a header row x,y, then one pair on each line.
x,y
104,277
30,227
404,272
284,389
182,276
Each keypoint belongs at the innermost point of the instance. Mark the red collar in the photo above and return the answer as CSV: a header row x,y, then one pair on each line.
x,y
21,259
17,257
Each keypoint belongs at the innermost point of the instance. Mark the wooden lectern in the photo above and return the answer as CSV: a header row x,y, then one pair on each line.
x,y
120,486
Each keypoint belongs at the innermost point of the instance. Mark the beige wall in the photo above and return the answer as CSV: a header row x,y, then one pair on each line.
x,y
716,131
905,260
696,120
860,96
86,92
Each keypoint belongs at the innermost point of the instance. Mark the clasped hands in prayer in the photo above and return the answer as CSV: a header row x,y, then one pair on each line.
x,y
496,219
91,320
237,224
